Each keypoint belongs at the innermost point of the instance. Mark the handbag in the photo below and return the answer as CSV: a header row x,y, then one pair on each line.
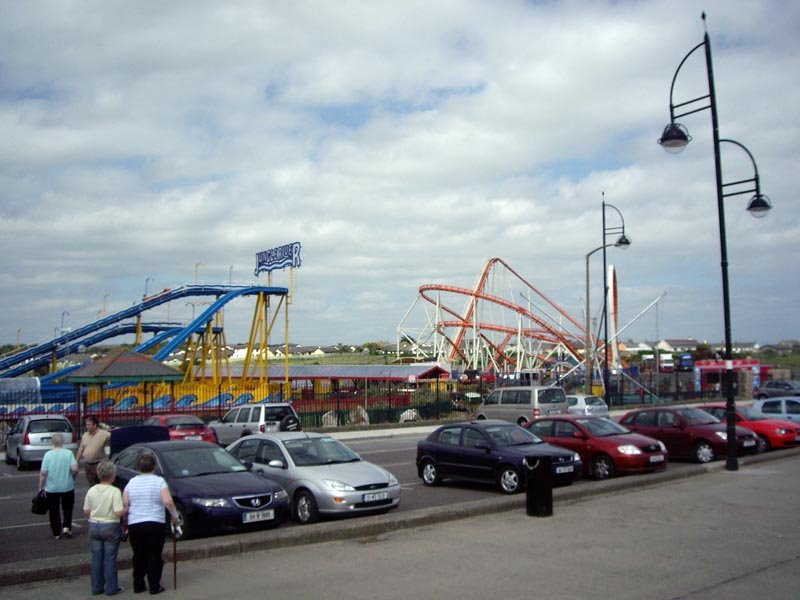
x,y
39,504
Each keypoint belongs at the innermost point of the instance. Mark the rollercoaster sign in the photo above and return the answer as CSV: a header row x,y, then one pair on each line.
x,y
278,258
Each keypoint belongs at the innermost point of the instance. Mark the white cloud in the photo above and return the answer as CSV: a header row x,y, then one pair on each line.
x,y
402,144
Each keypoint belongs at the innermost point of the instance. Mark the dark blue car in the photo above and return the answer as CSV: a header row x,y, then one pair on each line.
x,y
491,451
212,490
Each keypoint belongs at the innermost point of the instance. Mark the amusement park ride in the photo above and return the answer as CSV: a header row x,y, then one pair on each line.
x,y
506,325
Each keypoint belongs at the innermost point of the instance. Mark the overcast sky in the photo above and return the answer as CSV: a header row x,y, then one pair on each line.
x,y
403,144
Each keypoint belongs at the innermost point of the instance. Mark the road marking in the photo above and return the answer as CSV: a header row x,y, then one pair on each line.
x,y
7,527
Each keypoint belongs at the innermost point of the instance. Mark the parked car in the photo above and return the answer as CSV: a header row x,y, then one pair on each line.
x,y
779,387
490,451
255,418
184,427
32,436
688,432
772,433
321,475
587,405
606,448
213,491
520,404
780,408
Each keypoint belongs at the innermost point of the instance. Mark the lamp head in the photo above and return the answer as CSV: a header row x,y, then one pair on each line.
x,y
675,138
759,206
623,242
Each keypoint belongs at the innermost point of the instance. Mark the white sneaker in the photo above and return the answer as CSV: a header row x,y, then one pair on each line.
x,y
67,532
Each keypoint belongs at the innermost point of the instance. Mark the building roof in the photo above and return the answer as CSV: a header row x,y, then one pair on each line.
x,y
124,365
406,372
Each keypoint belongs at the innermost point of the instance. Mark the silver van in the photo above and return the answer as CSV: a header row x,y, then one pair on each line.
x,y
520,404
255,418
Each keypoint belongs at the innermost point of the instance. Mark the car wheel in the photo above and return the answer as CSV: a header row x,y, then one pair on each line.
x,y
703,452
603,467
762,397
21,464
290,423
430,474
521,421
509,480
481,418
305,508
246,432
763,444
182,531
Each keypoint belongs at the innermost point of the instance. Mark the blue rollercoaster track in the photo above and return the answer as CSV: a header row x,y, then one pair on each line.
x,y
112,326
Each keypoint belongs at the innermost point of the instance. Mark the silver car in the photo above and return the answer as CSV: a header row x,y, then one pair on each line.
x,y
32,436
321,475
587,405
786,408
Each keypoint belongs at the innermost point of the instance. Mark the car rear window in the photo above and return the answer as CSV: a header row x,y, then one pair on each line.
x,y
552,396
185,422
50,426
594,401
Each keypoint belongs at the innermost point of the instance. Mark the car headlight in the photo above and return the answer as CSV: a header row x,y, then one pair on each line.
x,y
722,434
629,449
782,431
212,502
280,495
338,486
662,446
576,457
392,479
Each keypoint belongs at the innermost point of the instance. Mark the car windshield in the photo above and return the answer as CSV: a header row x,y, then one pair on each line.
x,y
511,435
197,461
602,427
697,417
752,414
314,451
187,422
594,401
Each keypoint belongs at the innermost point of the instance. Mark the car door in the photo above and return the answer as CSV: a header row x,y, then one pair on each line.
x,y
567,435
792,410
477,459
448,451
12,441
269,450
772,408
672,431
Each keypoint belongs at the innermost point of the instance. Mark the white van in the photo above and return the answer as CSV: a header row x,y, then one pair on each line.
x,y
520,404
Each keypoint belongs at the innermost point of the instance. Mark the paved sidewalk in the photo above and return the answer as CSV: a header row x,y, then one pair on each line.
x,y
719,536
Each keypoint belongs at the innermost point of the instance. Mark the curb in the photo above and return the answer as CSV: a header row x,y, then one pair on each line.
x,y
77,565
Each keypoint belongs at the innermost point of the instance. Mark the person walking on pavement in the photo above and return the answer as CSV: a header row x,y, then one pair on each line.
x,y
103,504
92,448
145,498
57,479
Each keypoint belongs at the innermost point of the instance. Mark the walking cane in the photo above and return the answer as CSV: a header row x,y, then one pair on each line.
x,y
175,533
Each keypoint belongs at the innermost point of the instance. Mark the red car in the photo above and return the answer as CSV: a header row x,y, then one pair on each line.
x,y
606,448
184,427
689,432
772,433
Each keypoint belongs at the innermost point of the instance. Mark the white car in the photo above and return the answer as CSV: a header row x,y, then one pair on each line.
x,y
587,405
321,475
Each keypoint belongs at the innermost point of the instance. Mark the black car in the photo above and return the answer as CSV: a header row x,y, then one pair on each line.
x,y
212,490
490,450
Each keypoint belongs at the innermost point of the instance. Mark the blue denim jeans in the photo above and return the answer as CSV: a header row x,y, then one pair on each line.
x,y
104,539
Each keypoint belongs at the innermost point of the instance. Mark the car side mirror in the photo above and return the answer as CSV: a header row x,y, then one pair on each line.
x,y
579,435
677,424
481,446
248,464
276,464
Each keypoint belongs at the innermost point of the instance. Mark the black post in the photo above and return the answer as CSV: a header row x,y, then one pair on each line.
x,y
538,486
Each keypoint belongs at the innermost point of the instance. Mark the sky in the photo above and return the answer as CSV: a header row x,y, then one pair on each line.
x,y
147,145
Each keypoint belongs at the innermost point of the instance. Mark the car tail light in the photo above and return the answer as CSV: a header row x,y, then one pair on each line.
x,y
536,412
26,440
262,428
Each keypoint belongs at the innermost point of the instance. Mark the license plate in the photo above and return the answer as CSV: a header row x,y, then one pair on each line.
x,y
258,515
748,443
554,412
657,458
374,497
564,469
193,437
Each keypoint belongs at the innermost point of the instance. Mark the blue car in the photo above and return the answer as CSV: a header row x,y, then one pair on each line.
x,y
212,490
492,451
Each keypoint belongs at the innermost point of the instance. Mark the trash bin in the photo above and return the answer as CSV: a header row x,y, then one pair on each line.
x,y
538,486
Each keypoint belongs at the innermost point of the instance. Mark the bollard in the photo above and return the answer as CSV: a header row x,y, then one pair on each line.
x,y
538,486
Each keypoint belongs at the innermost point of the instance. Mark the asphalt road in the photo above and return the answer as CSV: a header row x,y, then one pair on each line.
x,y
24,536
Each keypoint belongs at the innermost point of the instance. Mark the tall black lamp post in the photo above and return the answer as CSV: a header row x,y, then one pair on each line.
x,y
674,139
623,242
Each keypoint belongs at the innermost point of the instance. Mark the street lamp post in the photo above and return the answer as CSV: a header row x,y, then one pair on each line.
x,y
623,242
146,281
674,139
196,268
230,275
63,314
105,302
